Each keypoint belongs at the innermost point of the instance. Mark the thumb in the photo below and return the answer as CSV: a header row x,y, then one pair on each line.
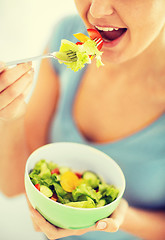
x,y
113,223
107,225
2,66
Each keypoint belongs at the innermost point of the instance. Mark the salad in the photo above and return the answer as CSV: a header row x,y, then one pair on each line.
x,y
75,189
82,52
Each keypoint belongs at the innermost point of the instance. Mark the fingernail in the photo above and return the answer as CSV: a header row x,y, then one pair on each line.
x,y
101,225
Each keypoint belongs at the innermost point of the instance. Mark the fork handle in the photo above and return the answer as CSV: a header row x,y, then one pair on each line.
x,y
12,63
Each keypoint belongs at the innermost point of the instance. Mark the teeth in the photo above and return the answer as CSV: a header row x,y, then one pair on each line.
x,y
106,29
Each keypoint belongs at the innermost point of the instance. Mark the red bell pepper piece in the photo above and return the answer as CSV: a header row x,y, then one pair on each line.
x,y
37,186
56,170
79,175
79,43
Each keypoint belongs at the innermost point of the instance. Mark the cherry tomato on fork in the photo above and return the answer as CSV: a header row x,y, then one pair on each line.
x,y
93,34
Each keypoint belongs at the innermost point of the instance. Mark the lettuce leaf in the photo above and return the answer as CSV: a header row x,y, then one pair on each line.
x,y
83,53
86,190
108,192
89,203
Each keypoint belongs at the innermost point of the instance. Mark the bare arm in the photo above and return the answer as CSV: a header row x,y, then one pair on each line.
x,y
42,106
20,130
14,83
149,225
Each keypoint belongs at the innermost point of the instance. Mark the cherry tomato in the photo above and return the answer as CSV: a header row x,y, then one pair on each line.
x,y
37,186
56,170
79,175
54,197
93,34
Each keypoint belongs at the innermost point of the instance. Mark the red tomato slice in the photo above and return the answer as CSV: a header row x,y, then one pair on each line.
x,y
56,170
93,33
79,43
37,186
54,197
79,175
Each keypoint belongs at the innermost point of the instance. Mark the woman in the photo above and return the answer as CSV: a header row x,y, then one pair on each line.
x,y
118,108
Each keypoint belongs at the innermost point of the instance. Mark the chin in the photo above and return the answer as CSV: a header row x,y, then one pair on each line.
x,y
113,57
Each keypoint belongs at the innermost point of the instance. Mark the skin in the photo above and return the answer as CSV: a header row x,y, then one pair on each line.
x,y
133,82
145,17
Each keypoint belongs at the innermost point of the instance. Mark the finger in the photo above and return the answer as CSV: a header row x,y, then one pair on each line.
x,y
50,230
107,225
9,76
119,214
11,111
47,228
2,66
36,227
53,232
28,202
14,90
69,232
113,223
27,90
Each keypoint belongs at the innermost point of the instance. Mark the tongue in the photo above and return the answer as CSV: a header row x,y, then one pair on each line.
x,y
112,35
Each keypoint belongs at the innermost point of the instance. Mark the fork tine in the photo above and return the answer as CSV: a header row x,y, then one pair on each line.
x,y
72,55
98,41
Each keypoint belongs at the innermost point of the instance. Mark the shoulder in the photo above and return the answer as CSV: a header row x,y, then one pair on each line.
x,y
71,24
65,28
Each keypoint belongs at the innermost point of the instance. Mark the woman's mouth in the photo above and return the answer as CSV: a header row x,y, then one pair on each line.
x,y
111,34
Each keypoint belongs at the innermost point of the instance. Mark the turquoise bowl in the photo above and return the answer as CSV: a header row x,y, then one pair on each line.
x,y
79,157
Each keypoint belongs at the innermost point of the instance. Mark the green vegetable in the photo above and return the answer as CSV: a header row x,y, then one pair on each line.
x,y
46,191
91,179
63,170
83,53
109,192
83,204
101,203
91,192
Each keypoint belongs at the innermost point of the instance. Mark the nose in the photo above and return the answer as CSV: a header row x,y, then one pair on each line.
x,y
101,8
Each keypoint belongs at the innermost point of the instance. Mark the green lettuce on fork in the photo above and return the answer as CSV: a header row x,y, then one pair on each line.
x,y
84,51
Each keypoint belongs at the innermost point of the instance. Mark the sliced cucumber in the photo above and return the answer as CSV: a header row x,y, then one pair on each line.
x,y
64,169
46,191
101,203
91,178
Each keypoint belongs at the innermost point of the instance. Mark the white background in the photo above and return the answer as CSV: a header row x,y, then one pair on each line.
x,y
25,27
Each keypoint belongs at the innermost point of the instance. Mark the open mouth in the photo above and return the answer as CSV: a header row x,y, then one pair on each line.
x,y
111,34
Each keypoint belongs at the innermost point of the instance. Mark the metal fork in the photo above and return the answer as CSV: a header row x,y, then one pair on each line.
x,y
69,55
98,41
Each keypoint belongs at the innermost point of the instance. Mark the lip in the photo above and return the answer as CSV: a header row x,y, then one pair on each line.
x,y
114,43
